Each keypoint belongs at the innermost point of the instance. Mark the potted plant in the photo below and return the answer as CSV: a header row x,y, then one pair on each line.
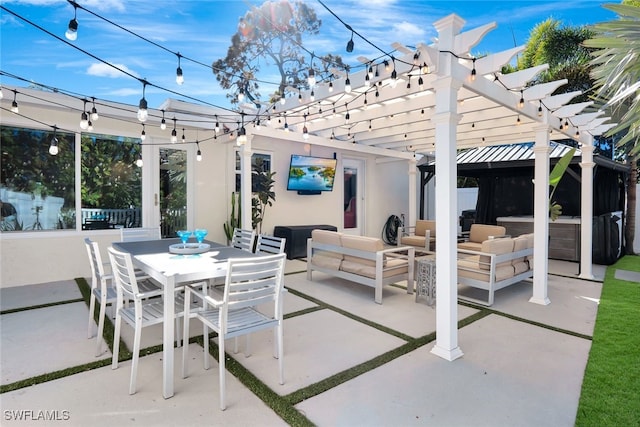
x,y
263,194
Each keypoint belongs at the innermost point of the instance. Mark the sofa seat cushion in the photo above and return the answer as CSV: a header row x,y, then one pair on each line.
x,y
419,241
471,246
520,243
362,243
498,247
324,260
392,268
502,273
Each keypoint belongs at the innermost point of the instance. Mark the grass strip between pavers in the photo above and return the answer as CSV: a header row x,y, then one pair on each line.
x,y
35,307
612,377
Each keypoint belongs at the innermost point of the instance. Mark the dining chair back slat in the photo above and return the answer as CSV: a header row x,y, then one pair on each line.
x,y
243,239
270,244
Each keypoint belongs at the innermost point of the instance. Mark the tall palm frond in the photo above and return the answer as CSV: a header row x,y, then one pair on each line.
x,y
616,70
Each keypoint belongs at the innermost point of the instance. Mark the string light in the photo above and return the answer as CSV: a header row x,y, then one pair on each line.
x,y
217,126
521,102
179,76
350,43
473,70
94,111
540,109
330,85
143,134
347,84
198,153
90,126
394,74
184,139
143,114
84,119
347,116
311,77
14,104
72,28
53,148
518,120
163,122
139,162
174,133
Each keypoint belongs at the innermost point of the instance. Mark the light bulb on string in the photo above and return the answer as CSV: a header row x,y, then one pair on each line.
x,y
198,153
179,75
53,148
84,118
184,139
521,102
94,111
143,134
217,126
139,162
72,28
174,133
90,126
347,84
143,114
163,122
350,43
14,104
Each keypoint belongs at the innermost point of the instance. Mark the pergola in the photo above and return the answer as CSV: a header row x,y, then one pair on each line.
x,y
442,100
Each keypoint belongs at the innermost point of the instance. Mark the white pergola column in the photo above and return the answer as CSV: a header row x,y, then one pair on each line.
x,y
245,183
586,209
541,216
411,215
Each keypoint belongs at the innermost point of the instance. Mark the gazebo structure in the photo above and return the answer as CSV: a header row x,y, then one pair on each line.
x,y
436,99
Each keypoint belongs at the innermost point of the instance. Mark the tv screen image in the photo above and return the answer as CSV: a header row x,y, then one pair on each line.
x,y
308,173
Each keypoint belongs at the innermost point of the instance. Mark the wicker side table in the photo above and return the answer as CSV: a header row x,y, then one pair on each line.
x,y
426,281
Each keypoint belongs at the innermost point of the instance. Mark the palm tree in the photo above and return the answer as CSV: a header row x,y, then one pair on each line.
x,y
616,71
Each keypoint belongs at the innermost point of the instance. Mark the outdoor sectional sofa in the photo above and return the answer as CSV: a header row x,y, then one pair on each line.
x,y
360,259
500,262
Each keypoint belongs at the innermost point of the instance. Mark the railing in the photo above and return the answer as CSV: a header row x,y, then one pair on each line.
x,y
171,221
127,218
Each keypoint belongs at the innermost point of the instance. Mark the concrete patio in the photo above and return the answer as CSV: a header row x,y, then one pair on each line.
x,y
523,363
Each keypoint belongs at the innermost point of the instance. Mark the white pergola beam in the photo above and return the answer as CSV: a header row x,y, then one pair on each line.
x,y
463,42
519,79
493,63
571,109
543,90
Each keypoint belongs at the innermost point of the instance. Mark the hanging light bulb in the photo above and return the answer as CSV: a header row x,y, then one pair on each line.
x,y
369,125
258,124
174,133
299,96
473,70
347,117
53,148
184,139
179,76
425,68
350,43
521,102
367,80
364,103
143,114
518,120
139,162
163,122
94,111
282,99
394,78
242,136
240,94
330,86
311,79
217,126
198,153
312,96
347,84
305,132
561,126
386,65
143,134
370,71
84,120
420,83
14,104
72,28
540,109
90,126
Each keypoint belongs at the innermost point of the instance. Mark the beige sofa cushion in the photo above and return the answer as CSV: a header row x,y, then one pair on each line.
x,y
392,268
326,259
422,225
481,232
472,246
468,267
520,267
419,241
498,247
520,243
363,243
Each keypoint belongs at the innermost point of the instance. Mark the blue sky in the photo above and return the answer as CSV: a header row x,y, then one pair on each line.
x,y
202,30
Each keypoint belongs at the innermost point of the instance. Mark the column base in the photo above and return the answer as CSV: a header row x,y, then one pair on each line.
x,y
540,301
446,354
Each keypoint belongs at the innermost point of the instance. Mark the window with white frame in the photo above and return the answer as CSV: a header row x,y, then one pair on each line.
x,y
256,157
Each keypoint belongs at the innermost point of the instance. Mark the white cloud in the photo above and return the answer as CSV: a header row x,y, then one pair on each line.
x,y
408,31
104,5
104,70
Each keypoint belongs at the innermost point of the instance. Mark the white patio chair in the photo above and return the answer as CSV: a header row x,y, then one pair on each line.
x,y
243,239
143,313
249,283
102,291
270,244
139,233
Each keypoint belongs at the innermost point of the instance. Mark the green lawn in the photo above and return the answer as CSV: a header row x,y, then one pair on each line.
x,y
611,387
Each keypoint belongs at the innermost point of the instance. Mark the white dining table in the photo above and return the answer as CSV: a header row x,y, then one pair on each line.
x,y
171,270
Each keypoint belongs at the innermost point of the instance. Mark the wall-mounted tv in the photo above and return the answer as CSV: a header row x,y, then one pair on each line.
x,y
311,175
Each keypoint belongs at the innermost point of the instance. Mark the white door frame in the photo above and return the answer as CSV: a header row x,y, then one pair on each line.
x,y
359,165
